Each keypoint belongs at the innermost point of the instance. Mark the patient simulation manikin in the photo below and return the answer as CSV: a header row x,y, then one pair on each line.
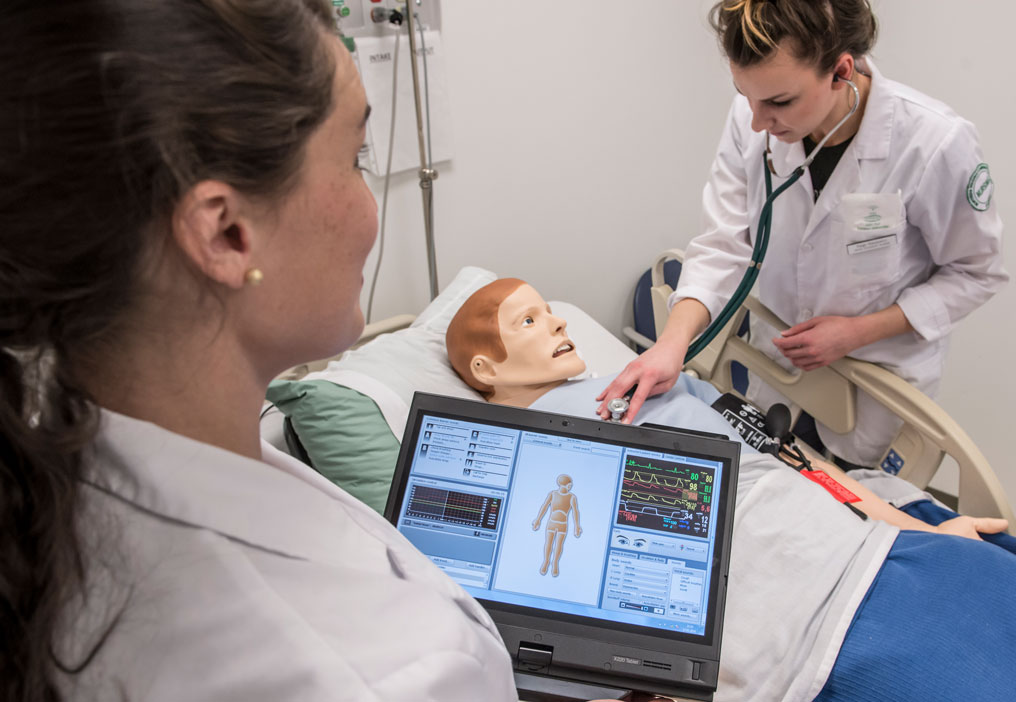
x,y
821,605
505,342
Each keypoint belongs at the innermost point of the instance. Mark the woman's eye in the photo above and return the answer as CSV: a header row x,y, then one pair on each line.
x,y
358,159
780,103
527,321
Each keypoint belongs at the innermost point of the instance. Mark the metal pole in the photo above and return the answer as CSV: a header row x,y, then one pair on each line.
x,y
427,174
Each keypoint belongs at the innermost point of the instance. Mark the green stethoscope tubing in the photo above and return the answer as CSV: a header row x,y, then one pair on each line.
x,y
758,254
765,223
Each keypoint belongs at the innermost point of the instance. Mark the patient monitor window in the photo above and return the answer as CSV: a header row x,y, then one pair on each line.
x,y
565,524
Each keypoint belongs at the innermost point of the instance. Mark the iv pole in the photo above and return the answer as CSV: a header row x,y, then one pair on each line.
x,y
427,173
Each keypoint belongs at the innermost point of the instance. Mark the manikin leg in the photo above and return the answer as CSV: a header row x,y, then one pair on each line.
x,y
547,546
558,548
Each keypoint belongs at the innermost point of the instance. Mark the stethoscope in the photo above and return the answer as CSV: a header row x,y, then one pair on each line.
x,y
765,223
619,405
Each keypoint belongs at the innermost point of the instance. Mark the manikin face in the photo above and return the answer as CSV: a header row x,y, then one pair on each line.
x,y
790,98
539,350
564,485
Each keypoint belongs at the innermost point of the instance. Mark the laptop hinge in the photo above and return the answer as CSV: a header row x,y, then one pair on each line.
x,y
534,658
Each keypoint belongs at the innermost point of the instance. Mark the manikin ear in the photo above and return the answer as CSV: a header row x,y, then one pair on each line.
x,y
484,370
210,230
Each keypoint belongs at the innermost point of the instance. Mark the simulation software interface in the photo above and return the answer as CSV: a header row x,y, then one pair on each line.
x,y
564,524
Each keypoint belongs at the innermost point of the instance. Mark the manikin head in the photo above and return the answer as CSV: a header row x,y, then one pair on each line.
x,y
505,342
564,483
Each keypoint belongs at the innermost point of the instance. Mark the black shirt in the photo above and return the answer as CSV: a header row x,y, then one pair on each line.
x,y
825,161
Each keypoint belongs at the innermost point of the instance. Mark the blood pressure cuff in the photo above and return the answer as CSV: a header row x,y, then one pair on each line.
x,y
747,419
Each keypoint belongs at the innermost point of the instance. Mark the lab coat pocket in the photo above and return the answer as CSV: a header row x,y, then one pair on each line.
x,y
868,253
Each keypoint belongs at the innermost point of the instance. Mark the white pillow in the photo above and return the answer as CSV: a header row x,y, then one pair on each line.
x,y
390,368
438,314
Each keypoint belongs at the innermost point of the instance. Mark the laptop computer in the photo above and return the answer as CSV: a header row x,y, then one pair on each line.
x,y
600,550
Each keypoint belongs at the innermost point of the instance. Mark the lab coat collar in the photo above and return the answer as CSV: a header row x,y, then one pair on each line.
x,y
874,137
278,504
872,141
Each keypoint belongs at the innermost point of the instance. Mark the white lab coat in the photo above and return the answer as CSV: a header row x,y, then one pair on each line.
x,y
892,225
246,580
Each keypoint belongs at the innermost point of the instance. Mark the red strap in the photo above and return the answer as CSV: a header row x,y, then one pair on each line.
x,y
834,488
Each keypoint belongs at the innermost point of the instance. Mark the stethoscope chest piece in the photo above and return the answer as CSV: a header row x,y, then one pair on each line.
x,y
617,407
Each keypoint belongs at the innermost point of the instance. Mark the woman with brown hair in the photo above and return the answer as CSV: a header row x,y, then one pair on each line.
x,y
888,239
181,219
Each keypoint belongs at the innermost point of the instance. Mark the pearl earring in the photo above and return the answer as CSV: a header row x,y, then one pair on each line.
x,y
253,277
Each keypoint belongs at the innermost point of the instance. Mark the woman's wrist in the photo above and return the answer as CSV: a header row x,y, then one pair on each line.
x,y
688,318
869,328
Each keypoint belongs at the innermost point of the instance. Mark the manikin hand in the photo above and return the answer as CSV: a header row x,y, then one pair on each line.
x,y
655,371
818,341
970,526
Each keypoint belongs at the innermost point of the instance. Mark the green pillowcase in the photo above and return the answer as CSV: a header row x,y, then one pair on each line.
x,y
344,433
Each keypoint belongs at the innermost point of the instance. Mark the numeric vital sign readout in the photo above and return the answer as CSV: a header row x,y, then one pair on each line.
x,y
451,506
666,496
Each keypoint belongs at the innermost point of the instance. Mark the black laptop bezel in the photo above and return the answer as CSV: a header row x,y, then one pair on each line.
x,y
509,617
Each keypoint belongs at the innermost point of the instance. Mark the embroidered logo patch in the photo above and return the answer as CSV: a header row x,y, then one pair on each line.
x,y
980,188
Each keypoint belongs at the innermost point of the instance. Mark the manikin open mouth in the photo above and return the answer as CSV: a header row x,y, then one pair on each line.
x,y
564,348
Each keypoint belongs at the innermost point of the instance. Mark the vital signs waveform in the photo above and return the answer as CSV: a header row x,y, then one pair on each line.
x,y
666,496
454,507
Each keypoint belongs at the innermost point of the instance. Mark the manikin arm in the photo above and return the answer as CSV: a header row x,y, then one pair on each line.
x,y
877,508
543,510
575,507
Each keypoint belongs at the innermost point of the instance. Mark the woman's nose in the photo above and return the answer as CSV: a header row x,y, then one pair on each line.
x,y
761,120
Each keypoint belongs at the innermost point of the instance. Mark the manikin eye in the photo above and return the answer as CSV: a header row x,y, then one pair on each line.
x,y
527,321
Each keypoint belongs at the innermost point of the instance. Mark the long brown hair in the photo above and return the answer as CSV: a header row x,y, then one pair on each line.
x,y
109,111
819,31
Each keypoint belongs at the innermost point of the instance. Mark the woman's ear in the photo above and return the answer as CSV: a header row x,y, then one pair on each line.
x,y
483,369
844,68
210,229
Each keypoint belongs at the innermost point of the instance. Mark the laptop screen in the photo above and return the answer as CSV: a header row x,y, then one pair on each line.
x,y
579,526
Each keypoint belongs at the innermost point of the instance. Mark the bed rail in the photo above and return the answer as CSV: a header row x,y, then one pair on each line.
x,y
928,433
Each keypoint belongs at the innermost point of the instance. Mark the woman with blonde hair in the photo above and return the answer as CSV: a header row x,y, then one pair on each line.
x,y
888,239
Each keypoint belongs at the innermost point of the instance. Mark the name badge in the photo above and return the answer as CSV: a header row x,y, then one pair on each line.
x,y
879,242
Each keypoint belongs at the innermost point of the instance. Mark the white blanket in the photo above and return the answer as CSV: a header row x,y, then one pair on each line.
x,y
800,562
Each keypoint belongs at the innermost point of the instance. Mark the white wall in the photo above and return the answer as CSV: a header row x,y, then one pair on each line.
x,y
582,142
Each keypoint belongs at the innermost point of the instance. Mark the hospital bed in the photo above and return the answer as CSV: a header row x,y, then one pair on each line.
x,y
928,434
398,356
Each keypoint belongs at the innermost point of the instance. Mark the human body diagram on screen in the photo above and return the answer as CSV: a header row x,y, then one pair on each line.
x,y
561,503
